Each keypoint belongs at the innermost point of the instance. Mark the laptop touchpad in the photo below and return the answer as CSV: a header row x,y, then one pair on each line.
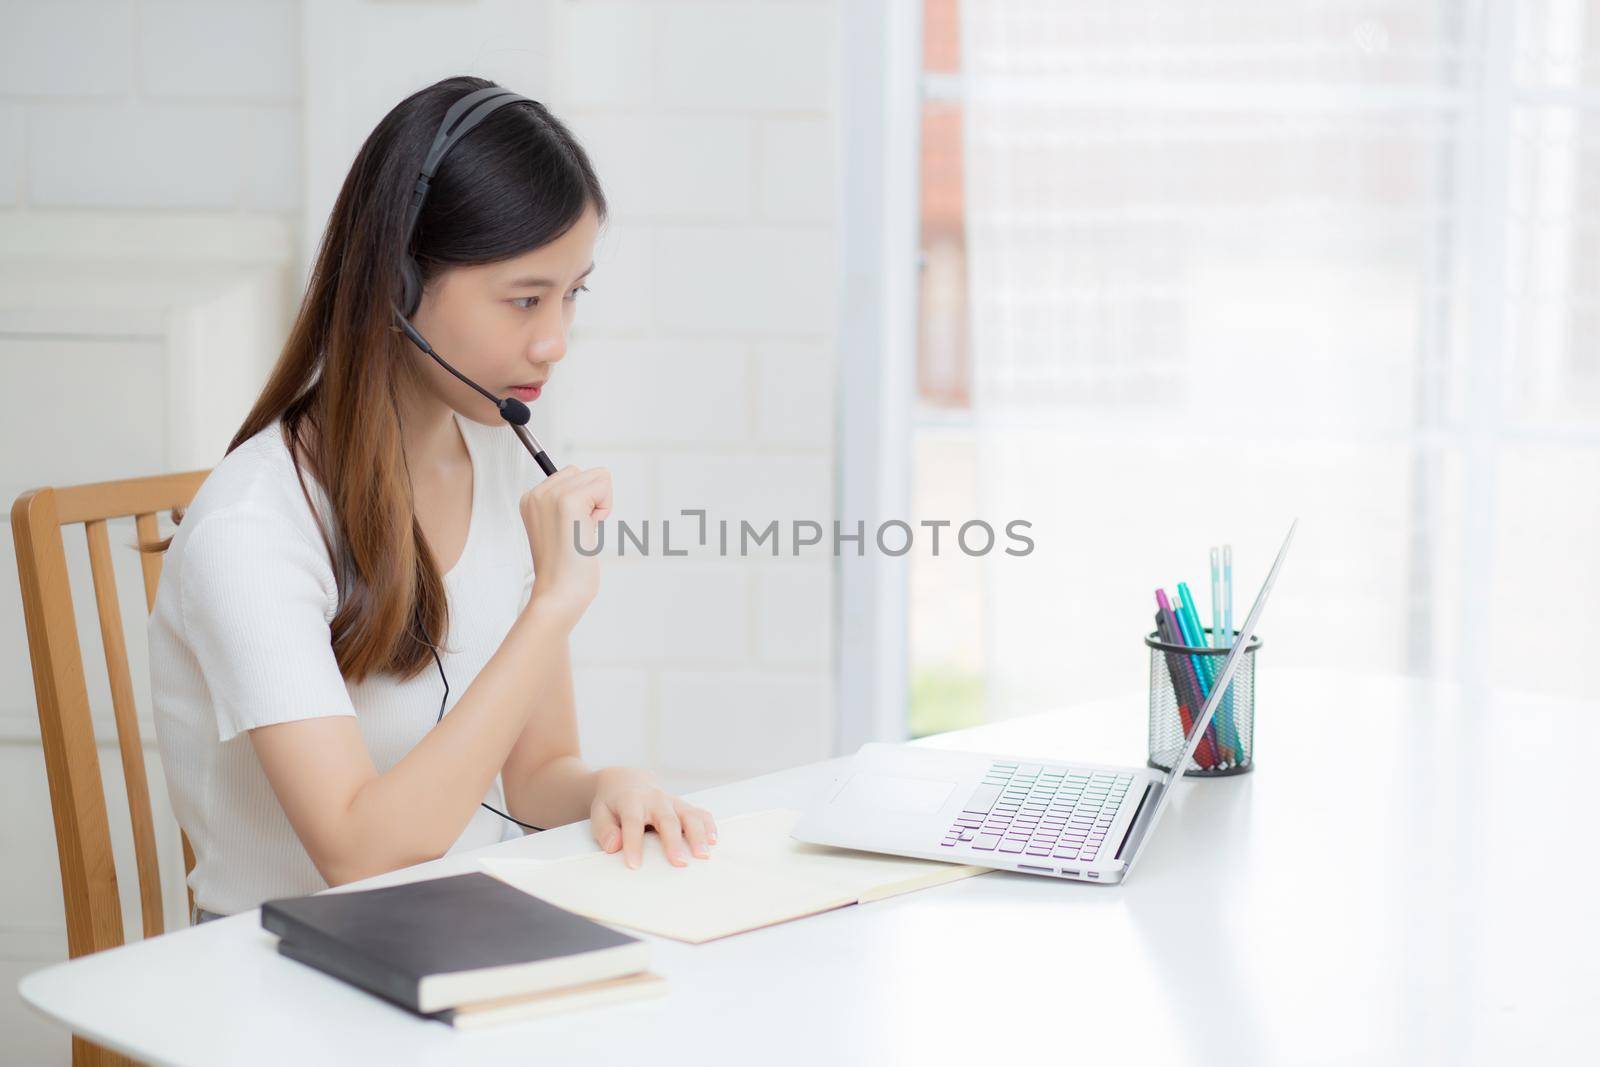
x,y
913,796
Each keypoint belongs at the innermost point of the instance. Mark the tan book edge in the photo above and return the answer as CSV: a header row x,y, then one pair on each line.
x,y
441,991
757,876
639,986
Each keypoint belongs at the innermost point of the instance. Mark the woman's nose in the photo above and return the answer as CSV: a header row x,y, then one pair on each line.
x,y
551,347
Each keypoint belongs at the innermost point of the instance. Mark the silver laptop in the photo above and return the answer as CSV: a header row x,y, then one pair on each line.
x,y
1092,824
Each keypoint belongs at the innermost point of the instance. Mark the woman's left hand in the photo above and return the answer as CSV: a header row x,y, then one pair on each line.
x,y
626,800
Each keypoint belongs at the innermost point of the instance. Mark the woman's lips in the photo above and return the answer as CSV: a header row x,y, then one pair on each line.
x,y
527,393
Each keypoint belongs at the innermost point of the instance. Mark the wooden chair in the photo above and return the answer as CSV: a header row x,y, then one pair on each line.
x,y
72,762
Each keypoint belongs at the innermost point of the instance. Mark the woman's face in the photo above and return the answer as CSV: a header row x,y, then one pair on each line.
x,y
504,325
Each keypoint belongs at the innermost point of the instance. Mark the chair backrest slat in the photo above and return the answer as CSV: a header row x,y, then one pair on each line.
x,y
72,764
149,562
129,742
66,727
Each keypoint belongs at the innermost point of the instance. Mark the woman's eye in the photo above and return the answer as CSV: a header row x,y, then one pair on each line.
x,y
532,302
574,294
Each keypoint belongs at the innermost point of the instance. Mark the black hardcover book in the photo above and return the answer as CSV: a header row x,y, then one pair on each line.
x,y
439,944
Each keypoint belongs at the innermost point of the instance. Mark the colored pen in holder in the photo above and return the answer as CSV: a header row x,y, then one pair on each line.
x,y
1179,684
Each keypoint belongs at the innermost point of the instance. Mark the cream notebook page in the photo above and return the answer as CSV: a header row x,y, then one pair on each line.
x,y
757,875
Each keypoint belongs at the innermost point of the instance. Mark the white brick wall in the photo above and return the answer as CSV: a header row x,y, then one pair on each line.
x,y
647,390
232,51
738,723
11,157
66,49
113,104
788,152
757,280
698,168
750,57
707,349
794,392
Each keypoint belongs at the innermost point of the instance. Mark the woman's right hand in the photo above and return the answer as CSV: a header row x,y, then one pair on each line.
x,y
564,579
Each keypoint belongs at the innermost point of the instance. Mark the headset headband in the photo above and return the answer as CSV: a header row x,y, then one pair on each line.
x,y
464,115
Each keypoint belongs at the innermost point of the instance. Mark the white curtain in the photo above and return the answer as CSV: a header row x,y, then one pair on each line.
x,y
1235,263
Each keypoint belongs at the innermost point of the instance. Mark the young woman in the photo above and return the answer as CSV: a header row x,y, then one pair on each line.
x,y
359,652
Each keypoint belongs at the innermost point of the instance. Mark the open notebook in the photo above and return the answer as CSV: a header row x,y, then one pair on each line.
x,y
757,875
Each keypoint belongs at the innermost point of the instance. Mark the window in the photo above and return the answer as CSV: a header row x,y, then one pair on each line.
x,y
945,625
1189,271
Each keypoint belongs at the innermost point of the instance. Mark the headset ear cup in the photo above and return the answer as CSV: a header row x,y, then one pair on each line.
x,y
410,287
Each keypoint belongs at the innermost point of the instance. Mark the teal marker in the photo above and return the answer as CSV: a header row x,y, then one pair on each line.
x,y
1216,598
1227,596
1191,619
1195,637
1227,635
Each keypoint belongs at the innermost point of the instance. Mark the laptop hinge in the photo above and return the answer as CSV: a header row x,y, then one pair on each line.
x,y
1134,824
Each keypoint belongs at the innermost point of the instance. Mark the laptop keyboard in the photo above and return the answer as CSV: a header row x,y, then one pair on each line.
x,y
1033,810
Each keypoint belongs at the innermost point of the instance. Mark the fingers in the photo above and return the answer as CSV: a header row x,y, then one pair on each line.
x,y
578,494
556,483
560,477
682,828
588,495
670,830
575,493
695,830
601,496
571,474
633,835
607,831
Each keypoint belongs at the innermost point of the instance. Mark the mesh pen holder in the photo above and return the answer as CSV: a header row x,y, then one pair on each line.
x,y
1229,746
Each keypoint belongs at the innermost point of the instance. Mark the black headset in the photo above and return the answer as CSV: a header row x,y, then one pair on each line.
x,y
463,116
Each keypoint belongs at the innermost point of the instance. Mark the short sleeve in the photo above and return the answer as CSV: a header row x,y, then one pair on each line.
x,y
257,600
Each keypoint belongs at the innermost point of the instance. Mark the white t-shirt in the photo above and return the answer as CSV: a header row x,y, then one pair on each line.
x,y
239,638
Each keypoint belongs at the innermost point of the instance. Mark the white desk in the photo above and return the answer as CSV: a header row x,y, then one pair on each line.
x,y
1389,886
